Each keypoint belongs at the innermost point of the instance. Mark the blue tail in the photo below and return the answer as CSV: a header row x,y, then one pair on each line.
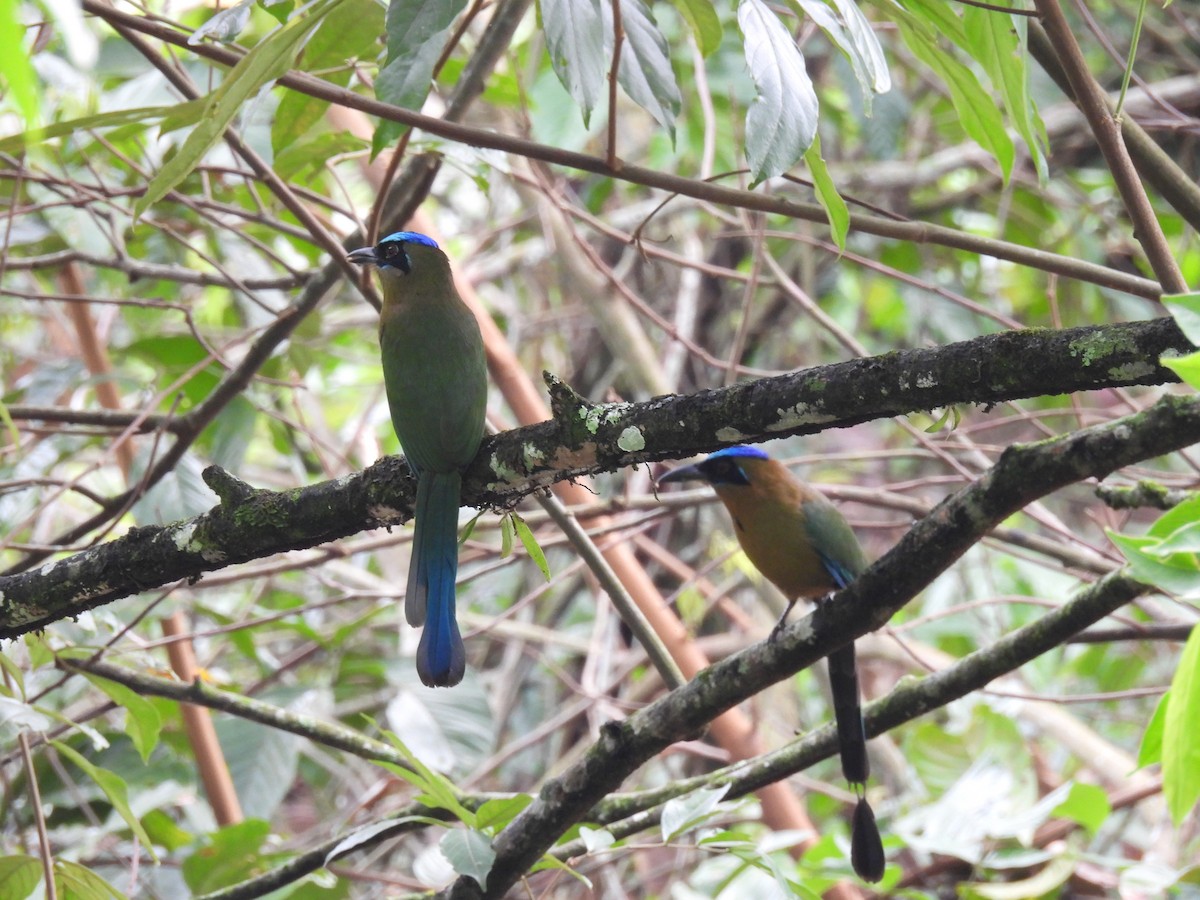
x,y
441,657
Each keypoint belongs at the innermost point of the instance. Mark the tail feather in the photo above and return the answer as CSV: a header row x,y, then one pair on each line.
x,y
847,713
866,846
441,657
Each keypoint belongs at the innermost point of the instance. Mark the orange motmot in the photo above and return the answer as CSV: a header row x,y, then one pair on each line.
x,y
803,546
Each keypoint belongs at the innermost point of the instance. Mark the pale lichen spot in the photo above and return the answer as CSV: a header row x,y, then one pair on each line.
x,y
1131,371
532,453
213,555
632,440
183,537
594,416
729,435
926,381
505,474
798,415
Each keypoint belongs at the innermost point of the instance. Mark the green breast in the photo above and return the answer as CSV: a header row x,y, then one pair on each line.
x,y
436,378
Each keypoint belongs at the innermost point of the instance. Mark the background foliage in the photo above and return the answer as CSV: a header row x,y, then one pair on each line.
x,y
772,188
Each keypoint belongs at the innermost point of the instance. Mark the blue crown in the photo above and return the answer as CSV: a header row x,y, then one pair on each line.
x,y
410,237
740,452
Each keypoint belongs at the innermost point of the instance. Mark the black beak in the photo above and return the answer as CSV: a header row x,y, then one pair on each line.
x,y
364,256
683,473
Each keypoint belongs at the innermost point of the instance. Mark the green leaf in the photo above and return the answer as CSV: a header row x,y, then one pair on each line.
x,y
164,832
1179,516
827,194
531,545
315,154
851,32
1086,804
279,10
75,882
1150,751
146,115
977,113
549,862
436,790
1185,539
1180,749
506,535
15,673
495,814
782,121
416,35
114,789
645,71
269,59
349,29
469,528
142,721
14,63
704,22
19,876
996,41
575,33
1186,367
40,652
1186,310
469,852
230,855
690,811
1177,574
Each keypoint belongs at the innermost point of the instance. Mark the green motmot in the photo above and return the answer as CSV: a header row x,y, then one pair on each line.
x,y
803,546
436,378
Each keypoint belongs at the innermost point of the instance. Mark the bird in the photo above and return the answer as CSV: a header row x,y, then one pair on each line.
x,y
435,374
804,546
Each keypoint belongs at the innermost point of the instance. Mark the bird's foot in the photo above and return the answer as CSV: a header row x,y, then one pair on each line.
x,y
782,623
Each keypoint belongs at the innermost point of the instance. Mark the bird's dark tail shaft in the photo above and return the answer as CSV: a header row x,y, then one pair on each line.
x,y
847,712
866,846
441,657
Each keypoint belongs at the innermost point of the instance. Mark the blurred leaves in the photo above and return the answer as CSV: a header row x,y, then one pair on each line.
x,y
886,105
782,121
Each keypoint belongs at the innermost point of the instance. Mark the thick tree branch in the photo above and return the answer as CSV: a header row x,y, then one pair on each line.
x,y
587,438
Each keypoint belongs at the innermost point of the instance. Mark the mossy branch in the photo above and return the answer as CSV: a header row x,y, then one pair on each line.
x,y
250,524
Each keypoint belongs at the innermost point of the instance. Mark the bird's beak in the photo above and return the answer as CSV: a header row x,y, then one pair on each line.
x,y
683,473
363,256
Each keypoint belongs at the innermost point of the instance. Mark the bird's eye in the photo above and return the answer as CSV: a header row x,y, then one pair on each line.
x,y
392,253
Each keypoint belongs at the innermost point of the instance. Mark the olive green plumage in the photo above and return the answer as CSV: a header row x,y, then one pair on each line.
x,y
435,373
